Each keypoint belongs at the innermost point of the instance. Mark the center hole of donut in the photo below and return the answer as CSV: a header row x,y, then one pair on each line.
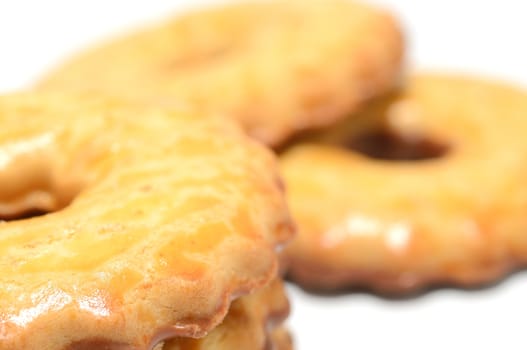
x,y
26,214
388,145
38,202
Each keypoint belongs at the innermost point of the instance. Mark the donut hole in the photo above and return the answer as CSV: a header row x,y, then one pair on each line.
x,y
37,202
25,214
389,145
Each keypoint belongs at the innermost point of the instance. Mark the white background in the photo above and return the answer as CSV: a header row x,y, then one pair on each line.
x,y
479,37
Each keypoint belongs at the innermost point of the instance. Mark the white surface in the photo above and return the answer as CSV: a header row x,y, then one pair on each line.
x,y
479,37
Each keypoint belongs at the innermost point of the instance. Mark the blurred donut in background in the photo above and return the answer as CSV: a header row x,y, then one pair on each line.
x,y
430,192
277,67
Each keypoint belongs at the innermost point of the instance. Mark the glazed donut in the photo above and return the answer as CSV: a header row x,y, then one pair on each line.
x,y
150,230
277,67
446,206
253,322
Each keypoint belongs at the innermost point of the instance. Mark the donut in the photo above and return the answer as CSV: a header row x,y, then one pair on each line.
x,y
152,222
253,322
433,195
276,67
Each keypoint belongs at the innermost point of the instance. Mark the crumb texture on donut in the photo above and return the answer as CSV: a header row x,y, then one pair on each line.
x,y
275,66
457,217
156,221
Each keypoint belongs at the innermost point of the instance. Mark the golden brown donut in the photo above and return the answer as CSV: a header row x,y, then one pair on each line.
x,y
156,221
449,210
253,322
277,67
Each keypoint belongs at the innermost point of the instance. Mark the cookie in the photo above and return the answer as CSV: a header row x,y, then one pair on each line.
x,y
276,67
147,235
430,194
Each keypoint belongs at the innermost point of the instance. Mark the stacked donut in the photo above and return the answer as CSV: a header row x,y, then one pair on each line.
x,y
139,216
149,233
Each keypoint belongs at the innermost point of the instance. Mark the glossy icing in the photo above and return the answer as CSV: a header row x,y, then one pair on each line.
x,y
147,226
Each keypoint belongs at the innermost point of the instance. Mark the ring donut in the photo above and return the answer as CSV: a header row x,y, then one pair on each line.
x,y
447,208
277,67
150,232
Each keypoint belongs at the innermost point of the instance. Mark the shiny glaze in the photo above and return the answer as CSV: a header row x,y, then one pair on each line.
x,y
253,322
148,226
397,226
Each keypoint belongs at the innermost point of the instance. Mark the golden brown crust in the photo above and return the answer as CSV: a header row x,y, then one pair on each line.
x,y
253,322
277,66
281,340
159,219
400,226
